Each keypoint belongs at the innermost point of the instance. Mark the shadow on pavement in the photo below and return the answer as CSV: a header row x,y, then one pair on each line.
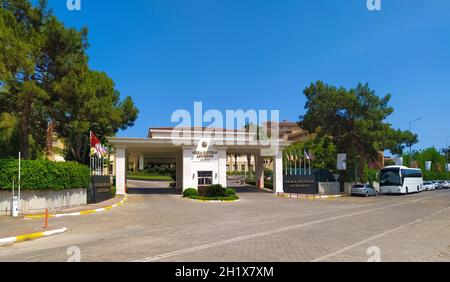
x,y
248,189
153,191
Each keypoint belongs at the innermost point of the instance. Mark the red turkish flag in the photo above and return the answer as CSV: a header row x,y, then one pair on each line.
x,y
94,140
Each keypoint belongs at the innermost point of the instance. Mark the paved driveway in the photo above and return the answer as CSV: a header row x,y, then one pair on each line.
x,y
158,225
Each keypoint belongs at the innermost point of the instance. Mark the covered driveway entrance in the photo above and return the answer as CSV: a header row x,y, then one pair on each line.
x,y
198,161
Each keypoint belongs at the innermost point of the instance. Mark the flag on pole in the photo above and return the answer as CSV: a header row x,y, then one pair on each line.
x,y
96,147
307,156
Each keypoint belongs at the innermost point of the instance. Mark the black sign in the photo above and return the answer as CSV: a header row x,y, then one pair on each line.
x,y
300,184
100,189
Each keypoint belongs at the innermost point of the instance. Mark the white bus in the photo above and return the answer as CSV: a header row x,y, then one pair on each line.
x,y
400,180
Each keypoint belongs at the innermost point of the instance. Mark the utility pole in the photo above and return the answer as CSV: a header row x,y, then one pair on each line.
x,y
446,155
410,145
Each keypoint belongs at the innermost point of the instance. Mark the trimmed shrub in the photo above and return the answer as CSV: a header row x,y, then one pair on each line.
x,y
190,193
213,191
230,192
44,175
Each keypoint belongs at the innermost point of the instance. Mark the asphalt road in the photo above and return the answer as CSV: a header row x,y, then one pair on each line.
x,y
158,225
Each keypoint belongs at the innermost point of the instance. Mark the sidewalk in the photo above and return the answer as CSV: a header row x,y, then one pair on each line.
x,y
92,208
31,226
10,227
311,197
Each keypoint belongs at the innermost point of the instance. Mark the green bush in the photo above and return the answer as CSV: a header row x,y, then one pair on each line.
x,y
44,175
190,193
212,191
230,192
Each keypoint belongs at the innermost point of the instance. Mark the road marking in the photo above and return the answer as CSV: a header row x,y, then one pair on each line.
x,y
261,234
366,241
375,237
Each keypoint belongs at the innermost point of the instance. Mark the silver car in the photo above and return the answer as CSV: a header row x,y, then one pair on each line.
x,y
428,186
441,184
365,190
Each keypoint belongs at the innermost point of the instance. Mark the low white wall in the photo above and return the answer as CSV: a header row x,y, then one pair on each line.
x,y
329,188
35,201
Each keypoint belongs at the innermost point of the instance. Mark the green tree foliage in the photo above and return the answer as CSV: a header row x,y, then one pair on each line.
x,y
8,134
355,120
21,94
323,149
44,77
429,154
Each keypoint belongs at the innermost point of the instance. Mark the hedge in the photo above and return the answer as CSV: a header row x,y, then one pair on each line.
x,y
215,193
44,175
191,192
212,191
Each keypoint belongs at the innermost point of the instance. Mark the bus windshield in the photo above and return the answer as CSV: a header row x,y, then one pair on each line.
x,y
390,177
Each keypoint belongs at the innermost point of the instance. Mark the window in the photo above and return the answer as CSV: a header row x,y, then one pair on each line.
x,y
205,178
390,177
411,173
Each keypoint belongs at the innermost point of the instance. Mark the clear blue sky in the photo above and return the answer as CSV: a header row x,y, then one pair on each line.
x,y
261,54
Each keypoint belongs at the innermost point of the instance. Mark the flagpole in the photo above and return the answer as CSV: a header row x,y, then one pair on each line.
x,y
309,161
90,151
304,155
290,163
295,164
300,164
286,165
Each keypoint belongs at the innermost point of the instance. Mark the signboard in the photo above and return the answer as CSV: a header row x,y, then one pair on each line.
x,y
100,189
200,156
300,184
204,152
399,161
428,165
342,161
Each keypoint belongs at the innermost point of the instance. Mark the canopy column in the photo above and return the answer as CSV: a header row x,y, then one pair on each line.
x,y
121,181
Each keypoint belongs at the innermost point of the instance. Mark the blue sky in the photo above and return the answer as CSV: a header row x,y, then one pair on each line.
x,y
261,54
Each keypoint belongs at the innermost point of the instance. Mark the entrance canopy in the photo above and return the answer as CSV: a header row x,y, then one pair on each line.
x,y
197,152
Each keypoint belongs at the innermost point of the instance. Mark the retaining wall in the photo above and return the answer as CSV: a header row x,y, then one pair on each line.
x,y
36,201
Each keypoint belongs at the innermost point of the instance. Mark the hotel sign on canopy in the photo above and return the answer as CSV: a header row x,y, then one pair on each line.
x,y
205,155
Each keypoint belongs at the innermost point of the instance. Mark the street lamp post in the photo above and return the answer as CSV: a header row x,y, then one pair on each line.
x,y
446,154
410,145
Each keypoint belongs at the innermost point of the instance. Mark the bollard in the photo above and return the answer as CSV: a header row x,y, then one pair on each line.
x,y
46,219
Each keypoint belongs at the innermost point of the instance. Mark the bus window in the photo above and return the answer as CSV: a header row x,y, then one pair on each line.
x,y
390,177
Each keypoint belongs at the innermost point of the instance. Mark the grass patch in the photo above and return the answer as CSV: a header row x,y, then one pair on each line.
x,y
227,198
150,177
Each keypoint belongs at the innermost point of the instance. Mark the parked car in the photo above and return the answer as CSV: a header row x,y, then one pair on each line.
x,y
428,186
446,184
365,190
435,184
441,184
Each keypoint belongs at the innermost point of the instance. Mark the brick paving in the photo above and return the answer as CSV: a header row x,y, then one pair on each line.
x,y
156,224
